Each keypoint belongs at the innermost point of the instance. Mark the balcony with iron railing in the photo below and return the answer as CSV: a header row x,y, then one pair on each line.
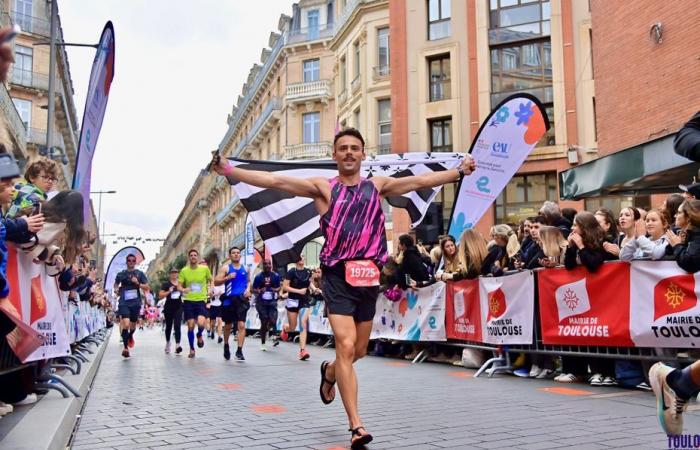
x,y
381,72
221,215
268,116
16,127
311,34
355,85
31,24
312,90
312,150
27,78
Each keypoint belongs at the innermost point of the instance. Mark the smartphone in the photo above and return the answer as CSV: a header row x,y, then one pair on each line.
x,y
408,280
93,264
8,167
36,209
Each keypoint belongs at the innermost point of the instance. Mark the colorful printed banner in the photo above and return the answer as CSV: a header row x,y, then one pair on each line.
x,y
118,263
664,309
581,308
508,308
503,142
37,300
249,254
101,77
463,311
317,323
418,316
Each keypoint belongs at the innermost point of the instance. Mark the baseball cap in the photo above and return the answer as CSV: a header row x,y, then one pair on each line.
x,y
174,270
692,189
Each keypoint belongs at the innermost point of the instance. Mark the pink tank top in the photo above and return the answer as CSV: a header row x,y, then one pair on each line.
x,y
353,225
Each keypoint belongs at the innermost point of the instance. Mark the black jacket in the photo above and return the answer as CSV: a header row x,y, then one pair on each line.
x,y
687,255
687,140
564,226
591,258
415,267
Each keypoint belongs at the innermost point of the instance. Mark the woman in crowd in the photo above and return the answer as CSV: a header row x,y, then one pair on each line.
x,y
451,264
607,222
474,258
413,266
652,247
686,247
628,220
504,247
553,247
670,208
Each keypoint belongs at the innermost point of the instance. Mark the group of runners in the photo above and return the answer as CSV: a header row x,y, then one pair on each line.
x,y
352,223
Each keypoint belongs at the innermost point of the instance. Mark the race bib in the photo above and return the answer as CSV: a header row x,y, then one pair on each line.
x,y
196,287
362,273
175,295
267,295
131,294
292,303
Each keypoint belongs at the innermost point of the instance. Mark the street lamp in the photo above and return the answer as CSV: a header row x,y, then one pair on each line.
x,y
99,214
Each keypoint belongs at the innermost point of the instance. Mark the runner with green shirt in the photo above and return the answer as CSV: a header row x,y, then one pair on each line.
x,y
196,283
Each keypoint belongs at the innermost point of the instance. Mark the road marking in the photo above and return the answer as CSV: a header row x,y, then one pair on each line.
x,y
229,386
565,391
268,409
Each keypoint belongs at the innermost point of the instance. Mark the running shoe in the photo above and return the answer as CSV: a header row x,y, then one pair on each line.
x,y
239,355
545,373
191,355
178,350
131,342
535,370
304,355
167,348
669,406
522,373
275,342
125,353
263,348
221,339
643,386
200,341
227,352
596,380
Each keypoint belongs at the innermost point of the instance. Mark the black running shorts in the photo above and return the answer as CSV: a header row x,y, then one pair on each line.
x,y
346,300
234,309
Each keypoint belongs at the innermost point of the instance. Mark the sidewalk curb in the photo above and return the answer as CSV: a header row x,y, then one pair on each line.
x,y
54,415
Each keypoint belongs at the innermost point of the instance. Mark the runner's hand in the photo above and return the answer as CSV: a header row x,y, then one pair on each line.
x,y
468,165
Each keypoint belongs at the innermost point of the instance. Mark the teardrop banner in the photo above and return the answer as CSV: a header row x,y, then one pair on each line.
x,y
505,139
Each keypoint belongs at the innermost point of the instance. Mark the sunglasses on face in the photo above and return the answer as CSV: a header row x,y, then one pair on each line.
x,y
131,260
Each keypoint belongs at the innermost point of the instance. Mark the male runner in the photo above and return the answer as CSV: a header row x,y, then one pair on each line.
x,y
129,283
353,225
296,283
195,282
172,310
266,288
235,300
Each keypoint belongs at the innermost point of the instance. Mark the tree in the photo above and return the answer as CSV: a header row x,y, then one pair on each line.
x,y
163,275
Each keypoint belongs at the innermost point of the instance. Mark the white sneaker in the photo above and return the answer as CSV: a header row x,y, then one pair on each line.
x,y
5,409
546,373
535,370
263,348
167,347
596,379
28,400
669,407
567,378
609,381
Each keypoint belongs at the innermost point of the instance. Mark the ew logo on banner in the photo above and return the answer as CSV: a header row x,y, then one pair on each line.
x,y
580,308
664,308
508,308
418,316
463,311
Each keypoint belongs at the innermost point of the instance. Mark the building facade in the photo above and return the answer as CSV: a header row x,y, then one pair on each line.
x,y
421,75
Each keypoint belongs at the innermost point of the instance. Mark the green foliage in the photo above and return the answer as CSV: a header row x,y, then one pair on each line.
x,y
163,275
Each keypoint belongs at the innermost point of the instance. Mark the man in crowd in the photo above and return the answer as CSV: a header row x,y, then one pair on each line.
x,y
195,283
129,284
552,216
690,191
352,223
235,300
266,288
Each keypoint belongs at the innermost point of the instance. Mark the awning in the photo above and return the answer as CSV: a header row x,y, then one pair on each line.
x,y
649,168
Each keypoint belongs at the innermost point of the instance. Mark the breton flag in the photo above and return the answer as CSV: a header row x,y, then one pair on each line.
x,y
286,223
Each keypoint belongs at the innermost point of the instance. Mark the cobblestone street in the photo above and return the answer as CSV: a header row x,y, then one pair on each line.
x,y
271,401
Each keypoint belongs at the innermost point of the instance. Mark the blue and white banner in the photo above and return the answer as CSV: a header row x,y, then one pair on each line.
x,y
101,78
503,142
249,254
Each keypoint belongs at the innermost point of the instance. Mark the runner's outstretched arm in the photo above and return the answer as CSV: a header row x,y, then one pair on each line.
x,y
308,187
391,187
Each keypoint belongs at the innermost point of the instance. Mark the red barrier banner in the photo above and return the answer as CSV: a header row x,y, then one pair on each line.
x,y
665,311
582,308
463,311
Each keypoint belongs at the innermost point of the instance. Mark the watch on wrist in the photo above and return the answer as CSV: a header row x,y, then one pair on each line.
x,y
461,172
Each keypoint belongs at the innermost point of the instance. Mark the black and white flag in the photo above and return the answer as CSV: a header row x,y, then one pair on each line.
x,y
286,223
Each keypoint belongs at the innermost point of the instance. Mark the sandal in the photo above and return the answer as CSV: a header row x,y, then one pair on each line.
x,y
362,439
324,380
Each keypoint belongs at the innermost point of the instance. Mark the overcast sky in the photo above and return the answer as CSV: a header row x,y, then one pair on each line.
x,y
179,67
